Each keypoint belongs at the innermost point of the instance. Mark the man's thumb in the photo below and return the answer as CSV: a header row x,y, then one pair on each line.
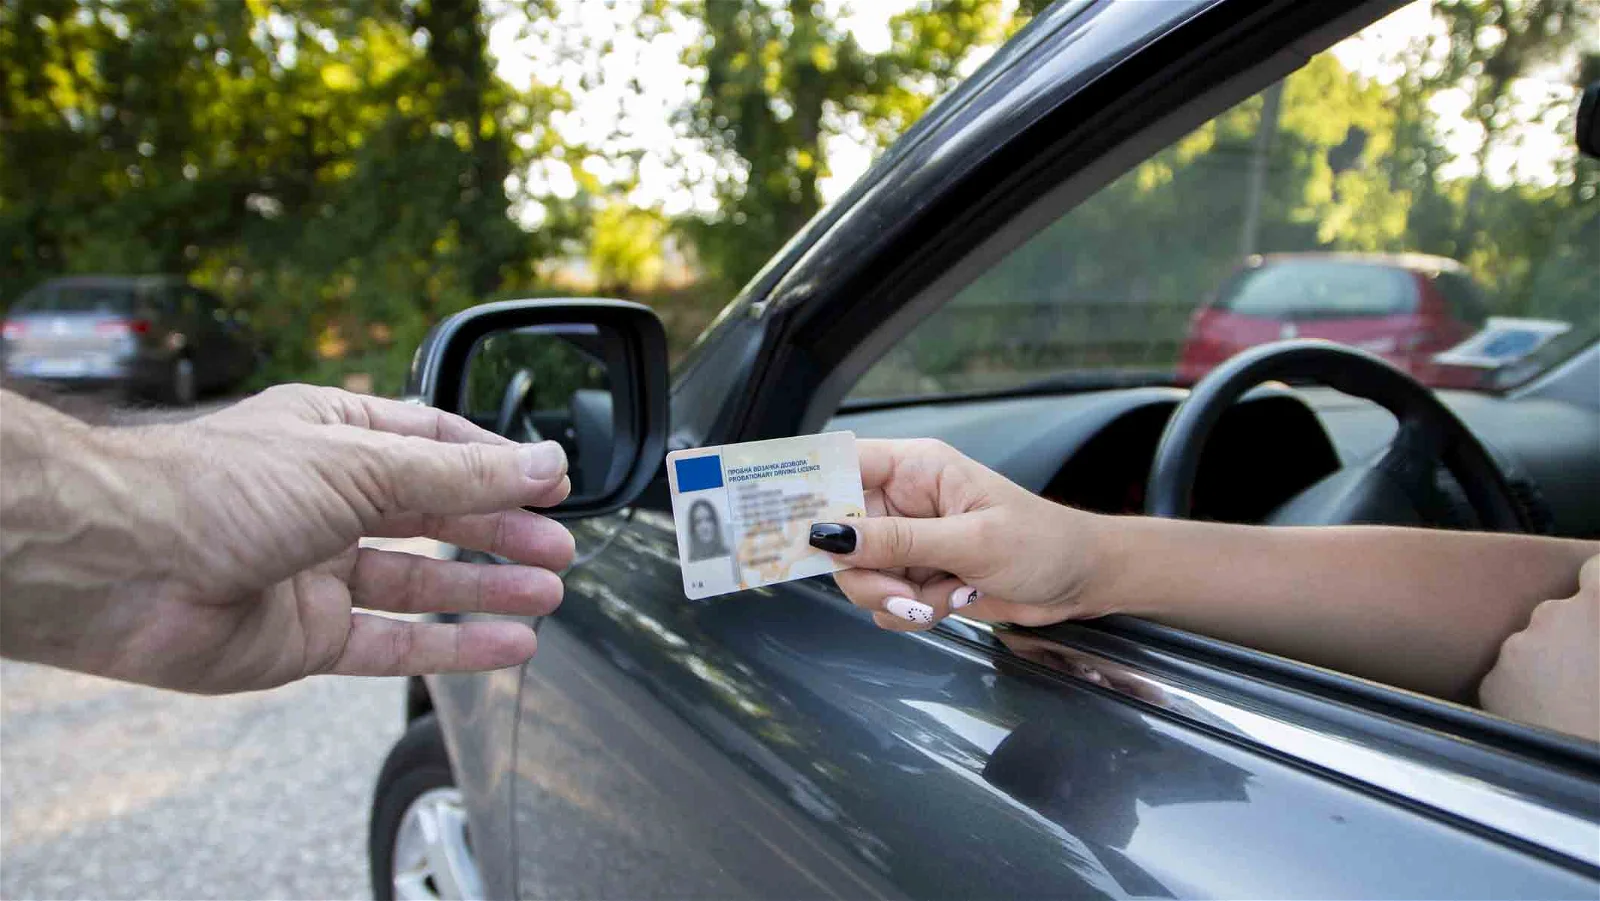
x,y
884,542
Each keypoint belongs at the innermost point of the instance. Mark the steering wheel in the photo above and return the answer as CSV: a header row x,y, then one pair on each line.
x,y
1400,487
514,414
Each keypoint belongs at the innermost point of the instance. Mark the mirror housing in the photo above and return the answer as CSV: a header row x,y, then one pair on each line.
x,y
635,358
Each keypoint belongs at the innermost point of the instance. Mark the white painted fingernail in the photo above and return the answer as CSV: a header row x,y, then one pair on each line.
x,y
909,610
963,596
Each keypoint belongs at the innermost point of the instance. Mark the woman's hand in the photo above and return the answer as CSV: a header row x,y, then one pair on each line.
x,y
221,554
1547,674
945,533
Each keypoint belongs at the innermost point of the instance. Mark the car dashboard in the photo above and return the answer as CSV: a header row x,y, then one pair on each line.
x,y
1094,450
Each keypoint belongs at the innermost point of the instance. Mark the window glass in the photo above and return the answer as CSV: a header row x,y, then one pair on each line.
x,y
1320,289
77,299
1433,148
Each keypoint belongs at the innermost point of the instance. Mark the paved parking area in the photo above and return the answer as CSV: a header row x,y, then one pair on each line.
x,y
116,791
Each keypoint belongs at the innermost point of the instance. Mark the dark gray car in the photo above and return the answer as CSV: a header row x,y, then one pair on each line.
x,y
154,337
776,744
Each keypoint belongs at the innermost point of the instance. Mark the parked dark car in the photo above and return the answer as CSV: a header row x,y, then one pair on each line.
x,y
152,337
774,743
1403,307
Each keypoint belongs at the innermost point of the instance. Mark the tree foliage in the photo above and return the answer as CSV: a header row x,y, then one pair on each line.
x,y
348,173
780,79
336,169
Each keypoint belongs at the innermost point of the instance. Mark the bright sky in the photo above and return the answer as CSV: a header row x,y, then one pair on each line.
x,y
631,107
1541,102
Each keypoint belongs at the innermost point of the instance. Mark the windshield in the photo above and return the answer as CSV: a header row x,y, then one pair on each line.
x,y
1363,200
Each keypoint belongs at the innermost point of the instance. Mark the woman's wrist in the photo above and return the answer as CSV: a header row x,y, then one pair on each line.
x,y
1095,561
1061,561
1131,569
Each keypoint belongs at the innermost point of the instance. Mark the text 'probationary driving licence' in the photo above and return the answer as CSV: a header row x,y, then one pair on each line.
x,y
743,512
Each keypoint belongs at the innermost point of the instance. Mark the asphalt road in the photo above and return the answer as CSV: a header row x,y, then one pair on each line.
x,y
117,791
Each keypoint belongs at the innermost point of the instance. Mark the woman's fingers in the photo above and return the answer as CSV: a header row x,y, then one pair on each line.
x,y
945,543
896,603
380,646
885,461
910,606
410,583
517,535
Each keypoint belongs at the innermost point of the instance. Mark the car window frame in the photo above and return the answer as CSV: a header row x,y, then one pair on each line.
x,y
1223,65
816,367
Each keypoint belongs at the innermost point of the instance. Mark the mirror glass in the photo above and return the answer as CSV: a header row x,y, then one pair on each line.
x,y
554,382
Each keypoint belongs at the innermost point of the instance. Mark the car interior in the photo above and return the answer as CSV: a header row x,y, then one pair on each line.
x,y
1093,450
990,358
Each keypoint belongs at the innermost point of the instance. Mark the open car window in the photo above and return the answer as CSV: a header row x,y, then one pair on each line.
x,y
1389,195
1345,202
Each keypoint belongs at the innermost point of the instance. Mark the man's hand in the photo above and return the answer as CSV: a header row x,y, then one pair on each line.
x,y
221,554
1549,673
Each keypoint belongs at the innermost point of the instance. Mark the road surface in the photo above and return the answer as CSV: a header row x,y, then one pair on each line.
x,y
118,791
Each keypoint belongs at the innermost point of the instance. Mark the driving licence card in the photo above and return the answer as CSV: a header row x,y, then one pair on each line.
x,y
743,512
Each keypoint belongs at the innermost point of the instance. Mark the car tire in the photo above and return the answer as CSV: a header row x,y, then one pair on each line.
x,y
182,388
418,842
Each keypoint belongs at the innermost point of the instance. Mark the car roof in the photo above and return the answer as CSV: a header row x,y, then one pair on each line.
x,y
1417,262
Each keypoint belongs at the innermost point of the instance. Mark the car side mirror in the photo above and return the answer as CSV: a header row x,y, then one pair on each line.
x,y
1589,121
589,374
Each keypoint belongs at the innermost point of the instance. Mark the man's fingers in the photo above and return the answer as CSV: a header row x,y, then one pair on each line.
x,y
413,475
410,583
381,414
553,494
334,406
953,544
380,646
517,535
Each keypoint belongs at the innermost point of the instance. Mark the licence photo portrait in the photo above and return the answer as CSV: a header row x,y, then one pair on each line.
x,y
705,532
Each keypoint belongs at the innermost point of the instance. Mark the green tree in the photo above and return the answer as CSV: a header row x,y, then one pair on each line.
x,y
780,79
625,247
337,170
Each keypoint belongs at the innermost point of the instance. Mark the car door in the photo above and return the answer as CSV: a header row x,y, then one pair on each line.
x,y
774,743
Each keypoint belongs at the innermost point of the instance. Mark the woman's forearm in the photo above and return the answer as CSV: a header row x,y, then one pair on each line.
x,y
1422,609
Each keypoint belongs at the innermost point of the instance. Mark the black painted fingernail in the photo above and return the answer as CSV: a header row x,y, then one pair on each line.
x,y
833,537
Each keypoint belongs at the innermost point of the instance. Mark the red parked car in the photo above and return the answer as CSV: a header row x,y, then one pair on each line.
x,y
1403,307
